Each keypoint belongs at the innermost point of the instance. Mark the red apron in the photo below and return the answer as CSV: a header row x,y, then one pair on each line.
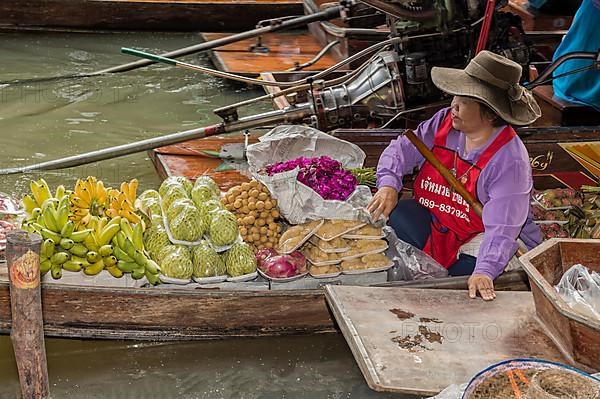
x,y
453,222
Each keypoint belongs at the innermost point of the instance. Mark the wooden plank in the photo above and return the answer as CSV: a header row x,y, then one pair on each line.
x,y
419,341
285,50
165,15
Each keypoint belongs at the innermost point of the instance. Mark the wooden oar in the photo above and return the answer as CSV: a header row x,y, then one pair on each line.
x,y
267,118
292,23
450,178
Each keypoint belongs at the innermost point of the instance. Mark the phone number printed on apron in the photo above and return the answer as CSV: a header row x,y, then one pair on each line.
x,y
449,209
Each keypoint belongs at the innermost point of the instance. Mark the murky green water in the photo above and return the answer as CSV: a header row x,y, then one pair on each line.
x,y
44,121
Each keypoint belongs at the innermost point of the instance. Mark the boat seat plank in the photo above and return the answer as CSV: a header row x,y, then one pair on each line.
x,y
283,54
419,341
280,42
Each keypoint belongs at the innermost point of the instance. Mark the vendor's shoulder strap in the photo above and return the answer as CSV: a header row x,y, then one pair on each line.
x,y
506,135
442,133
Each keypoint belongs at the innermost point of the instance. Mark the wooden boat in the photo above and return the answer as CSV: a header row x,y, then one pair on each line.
x,y
148,15
171,313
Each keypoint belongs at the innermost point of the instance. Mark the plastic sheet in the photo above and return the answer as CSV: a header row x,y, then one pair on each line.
x,y
410,263
580,289
299,203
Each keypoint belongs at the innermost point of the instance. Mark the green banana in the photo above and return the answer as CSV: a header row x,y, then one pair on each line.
x,y
138,237
79,236
138,272
140,258
56,271
93,256
45,266
129,248
72,266
62,213
120,237
152,267
94,269
121,255
68,229
79,249
105,250
48,234
59,258
152,278
126,228
90,243
127,267
49,220
67,243
47,249
60,191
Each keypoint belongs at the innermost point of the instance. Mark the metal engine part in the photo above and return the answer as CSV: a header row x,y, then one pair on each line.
x,y
375,93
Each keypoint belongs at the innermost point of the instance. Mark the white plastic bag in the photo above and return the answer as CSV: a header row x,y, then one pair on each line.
x,y
297,202
580,289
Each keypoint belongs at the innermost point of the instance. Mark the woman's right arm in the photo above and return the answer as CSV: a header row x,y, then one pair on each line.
x,y
401,157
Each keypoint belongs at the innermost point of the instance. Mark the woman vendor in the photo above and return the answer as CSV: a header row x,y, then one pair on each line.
x,y
474,139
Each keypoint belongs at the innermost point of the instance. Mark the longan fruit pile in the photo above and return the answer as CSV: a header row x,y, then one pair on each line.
x,y
256,213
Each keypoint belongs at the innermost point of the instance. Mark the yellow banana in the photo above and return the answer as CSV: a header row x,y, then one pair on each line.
x,y
62,213
94,269
90,242
107,234
105,250
44,189
93,256
78,202
114,271
110,260
67,243
29,204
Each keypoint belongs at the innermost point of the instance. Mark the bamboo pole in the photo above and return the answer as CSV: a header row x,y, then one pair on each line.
x,y
27,332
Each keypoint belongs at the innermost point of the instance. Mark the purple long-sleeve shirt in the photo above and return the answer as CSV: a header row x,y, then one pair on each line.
x,y
504,188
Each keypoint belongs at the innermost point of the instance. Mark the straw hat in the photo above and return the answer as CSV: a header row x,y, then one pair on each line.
x,y
493,80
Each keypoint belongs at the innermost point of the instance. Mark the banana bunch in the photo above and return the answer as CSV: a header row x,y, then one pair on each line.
x,y
122,203
95,252
51,221
40,194
128,248
90,198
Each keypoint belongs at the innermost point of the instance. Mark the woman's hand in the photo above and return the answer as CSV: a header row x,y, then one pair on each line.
x,y
383,203
482,283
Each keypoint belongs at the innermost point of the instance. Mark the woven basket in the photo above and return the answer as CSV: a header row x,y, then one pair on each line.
x,y
560,384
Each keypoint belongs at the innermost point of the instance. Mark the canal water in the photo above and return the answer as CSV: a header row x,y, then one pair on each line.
x,y
41,121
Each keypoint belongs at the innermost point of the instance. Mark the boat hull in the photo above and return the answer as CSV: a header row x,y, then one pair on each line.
x,y
144,15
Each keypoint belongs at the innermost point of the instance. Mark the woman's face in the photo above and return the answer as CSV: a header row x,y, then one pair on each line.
x,y
466,115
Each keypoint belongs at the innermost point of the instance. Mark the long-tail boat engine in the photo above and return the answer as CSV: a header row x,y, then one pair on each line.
x,y
431,33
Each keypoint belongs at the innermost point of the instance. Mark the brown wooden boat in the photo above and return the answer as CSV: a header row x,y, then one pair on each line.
x,y
147,15
167,314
